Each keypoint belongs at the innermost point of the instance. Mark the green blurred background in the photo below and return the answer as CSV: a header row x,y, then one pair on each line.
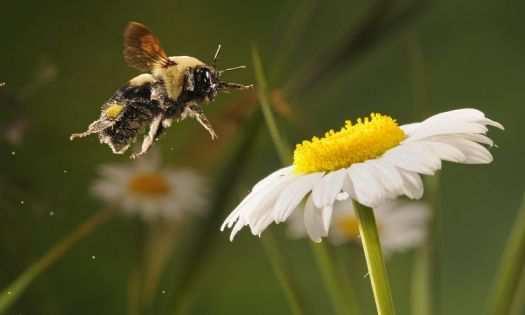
x,y
62,59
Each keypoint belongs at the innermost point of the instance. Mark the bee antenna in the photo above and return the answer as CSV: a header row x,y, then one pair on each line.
x,y
230,69
216,55
225,86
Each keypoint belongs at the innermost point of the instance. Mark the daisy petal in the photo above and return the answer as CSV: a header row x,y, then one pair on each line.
x,y
313,221
415,157
474,152
325,191
327,218
413,187
368,191
268,180
292,195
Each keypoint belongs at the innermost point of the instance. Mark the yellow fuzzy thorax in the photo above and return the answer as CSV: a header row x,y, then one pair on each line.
x,y
369,138
173,76
113,110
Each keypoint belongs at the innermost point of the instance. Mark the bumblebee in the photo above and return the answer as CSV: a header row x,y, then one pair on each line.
x,y
172,88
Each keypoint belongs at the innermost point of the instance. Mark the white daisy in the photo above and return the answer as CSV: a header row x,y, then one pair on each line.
x,y
144,188
370,162
402,224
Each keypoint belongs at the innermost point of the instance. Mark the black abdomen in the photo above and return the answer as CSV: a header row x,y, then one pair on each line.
x,y
139,109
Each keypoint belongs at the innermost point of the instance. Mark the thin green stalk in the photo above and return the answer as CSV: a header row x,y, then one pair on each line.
x,y
278,266
10,294
341,258
343,302
374,260
511,268
420,290
205,242
518,306
426,272
283,149
342,305
269,244
293,34
136,303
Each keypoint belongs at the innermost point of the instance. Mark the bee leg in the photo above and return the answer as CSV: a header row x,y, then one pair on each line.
x,y
195,111
118,150
150,137
94,127
166,123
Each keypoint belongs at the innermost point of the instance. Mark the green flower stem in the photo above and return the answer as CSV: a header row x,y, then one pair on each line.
x,y
278,266
512,268
10,294
328,272
374,260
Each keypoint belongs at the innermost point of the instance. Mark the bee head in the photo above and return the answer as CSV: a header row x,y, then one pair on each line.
x,y
206,82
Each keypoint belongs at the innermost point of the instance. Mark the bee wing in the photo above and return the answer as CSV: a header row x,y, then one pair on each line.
x,y
142,48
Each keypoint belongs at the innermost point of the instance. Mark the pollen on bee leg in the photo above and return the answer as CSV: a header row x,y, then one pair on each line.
x,y
113,110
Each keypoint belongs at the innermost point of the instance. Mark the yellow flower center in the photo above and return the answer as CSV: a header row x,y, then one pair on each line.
x,y
113,110
149,185
369,138
348,226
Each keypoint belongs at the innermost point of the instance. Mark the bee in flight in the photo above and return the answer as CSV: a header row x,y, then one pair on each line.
x,y
171,89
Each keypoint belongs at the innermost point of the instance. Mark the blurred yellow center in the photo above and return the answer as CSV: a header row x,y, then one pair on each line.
x,y
113,111
369,138
149,185
348,226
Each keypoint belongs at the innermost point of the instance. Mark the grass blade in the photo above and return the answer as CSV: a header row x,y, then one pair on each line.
x,y
10,294
511,268
342,305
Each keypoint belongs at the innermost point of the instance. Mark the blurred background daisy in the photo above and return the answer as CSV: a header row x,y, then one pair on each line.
x,y
402,224
150,190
